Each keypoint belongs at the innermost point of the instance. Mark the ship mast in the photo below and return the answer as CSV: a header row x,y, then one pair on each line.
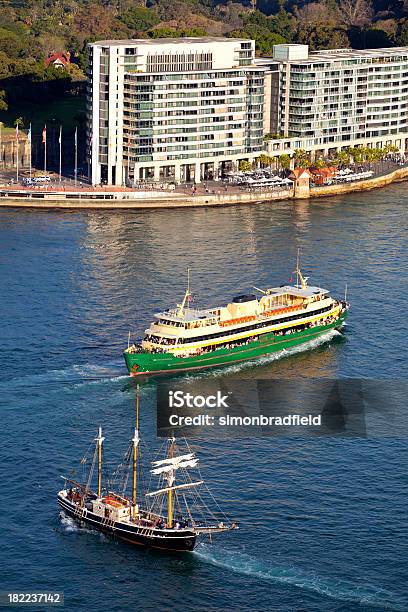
x,y
99,441
135,441
170,481
168,467
299,275
186,295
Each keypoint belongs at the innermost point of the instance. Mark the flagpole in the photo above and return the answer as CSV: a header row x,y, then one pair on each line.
x,y
45,149
29,140
76,155
60,154
17,143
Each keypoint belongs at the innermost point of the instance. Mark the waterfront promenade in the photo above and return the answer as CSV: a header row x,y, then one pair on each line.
x,y
121,198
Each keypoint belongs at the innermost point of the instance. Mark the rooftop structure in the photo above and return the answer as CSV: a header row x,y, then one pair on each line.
x,y
58,59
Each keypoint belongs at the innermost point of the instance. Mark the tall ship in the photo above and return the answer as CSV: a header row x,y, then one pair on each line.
x,y
246,329
172,516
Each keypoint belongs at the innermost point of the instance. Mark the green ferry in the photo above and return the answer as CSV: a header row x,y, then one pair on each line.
x,y
248,328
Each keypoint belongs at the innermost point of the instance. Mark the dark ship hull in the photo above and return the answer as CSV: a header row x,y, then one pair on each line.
x,y
172,540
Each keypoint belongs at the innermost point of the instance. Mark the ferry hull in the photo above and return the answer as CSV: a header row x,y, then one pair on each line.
x,y
144,364
171,541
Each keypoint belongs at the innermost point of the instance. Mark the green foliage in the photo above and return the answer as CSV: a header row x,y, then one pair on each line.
x,y
52,73
266,31
245,166
264,38
367,155
284,161
342,158
273,137
11,43
357,154
140,19
402,36
301,158
170,33
281,23
300,154
3,103
390,149
264,160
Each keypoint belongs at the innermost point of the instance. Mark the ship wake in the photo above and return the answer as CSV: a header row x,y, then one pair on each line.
x,y
341,590
74,375
69,525
260,361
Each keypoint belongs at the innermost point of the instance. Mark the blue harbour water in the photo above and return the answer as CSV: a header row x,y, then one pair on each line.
x,y
323,521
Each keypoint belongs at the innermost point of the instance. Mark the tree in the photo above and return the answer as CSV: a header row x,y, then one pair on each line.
x,y
356,153
245,166
284,161
369,155
75,72
320,163
95,21
140,19
3,103
50,43
170,33
356,13
282,23
230,14
264,160
264,38
402,36
389,148
19,122
378,155
319,27
11,43
342,158
168,10
299,155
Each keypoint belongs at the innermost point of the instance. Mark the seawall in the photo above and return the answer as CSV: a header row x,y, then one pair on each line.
x,y
373,183
55,201
172,201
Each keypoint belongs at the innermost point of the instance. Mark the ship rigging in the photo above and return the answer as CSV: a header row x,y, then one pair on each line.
x,y
171,516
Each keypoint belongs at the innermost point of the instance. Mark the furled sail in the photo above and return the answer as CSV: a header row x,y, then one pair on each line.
x,y
175,466
174,459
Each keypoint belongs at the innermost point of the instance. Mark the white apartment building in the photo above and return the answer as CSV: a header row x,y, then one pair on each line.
x,y
326,101
172,109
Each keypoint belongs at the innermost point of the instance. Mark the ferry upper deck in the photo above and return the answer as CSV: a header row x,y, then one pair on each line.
x,y
172,325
